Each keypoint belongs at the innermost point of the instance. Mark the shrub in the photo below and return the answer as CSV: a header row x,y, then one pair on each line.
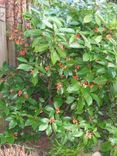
x,y
65,82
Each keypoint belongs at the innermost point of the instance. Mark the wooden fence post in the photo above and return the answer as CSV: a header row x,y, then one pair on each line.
x,y
3,43
10,24
3,48
14,10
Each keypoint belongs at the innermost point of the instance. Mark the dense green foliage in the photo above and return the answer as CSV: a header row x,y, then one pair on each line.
x,y
66,81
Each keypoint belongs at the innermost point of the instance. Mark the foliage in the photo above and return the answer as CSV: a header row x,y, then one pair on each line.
x,y
60,149
65,84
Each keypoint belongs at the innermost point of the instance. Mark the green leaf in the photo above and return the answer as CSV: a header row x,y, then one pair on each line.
x,y
35,10
61,52
78,133
87,18
32,32
33,123
84,71
9,138
2,105
68,127
22,59
87,41
97,19
47,23
34,80
2,139
96,98
86,57
45,120
73,88
56,20
106,146
43,127
49,130
114,87
28,122
58,102
75,45
98,39
54,56
72,39
35,72
80,106
12,124
96,134
87,97
102,124
101,70
25,67
67,30
54,126
49,108
41,48
70,99
73,106
41,69
101,80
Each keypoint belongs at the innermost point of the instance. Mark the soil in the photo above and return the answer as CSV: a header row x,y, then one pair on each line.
x,y
41,147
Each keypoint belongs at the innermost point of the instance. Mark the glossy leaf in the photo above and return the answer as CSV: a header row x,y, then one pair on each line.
x,y
25,67
54,56
88,18
43,127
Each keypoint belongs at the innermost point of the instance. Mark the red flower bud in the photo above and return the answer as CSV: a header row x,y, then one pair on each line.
x,y
22,53
47,68
109,37
20,92
59,86
52,120
78,67
96,30
86,83
58,110
75,77
78,36
75,121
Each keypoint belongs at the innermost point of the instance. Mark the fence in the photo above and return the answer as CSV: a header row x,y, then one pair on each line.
x,y
10,14
3,48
